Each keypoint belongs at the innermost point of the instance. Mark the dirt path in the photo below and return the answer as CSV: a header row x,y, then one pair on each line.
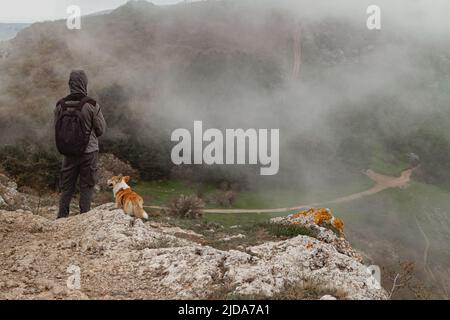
x,y
382,182
427,247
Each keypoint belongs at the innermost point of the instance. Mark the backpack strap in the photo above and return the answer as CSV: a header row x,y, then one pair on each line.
x,y
83,102
60,102
80,104
91,101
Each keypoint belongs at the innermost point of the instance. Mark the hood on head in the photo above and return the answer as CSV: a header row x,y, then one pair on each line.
x,y
78,82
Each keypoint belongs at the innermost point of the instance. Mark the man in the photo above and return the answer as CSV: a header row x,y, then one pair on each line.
x,y
81,164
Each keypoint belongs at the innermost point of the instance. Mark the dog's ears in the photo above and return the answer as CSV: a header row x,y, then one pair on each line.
x,y
126,179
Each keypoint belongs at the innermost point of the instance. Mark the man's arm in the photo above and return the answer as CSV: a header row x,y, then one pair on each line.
x,y
99,121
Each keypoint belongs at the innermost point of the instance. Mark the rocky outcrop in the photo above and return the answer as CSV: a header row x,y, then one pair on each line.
x,y
118,257
323,226
11,198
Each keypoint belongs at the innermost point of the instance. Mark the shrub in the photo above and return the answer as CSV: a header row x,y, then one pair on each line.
x,y
225,198
31,166
187,207
285,230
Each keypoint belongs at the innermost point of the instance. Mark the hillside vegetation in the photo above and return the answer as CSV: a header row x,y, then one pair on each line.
x,y
345,99
154,69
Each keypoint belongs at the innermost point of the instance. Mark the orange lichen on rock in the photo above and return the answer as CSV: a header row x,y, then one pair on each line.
x,y
322,216
339,225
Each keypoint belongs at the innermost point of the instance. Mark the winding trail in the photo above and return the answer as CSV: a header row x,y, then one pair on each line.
x,y
427,248
382,182
427,263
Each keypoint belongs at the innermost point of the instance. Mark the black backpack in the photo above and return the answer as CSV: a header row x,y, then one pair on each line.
x,y
71,135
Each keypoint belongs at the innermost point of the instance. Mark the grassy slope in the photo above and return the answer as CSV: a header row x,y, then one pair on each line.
x,y
395,205
396,211
162,191
385,163
382,225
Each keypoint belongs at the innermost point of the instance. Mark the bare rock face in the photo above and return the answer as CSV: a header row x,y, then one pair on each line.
x,y
115,256
11,198
324,227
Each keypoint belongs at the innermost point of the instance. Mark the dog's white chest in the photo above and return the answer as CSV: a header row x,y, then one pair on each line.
x,y
120,186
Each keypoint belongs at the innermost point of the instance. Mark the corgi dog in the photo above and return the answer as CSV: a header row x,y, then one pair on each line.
x,y
127,200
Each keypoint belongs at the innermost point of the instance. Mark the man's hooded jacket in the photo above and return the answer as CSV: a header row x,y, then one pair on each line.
x,y
92,114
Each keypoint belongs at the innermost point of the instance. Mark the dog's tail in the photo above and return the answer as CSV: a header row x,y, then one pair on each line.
x,y
141,211
144,214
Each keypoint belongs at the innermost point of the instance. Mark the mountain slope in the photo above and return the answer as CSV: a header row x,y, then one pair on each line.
x,y
344,98
10,30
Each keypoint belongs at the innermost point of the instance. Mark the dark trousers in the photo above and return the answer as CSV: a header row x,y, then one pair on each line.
x,y
84,167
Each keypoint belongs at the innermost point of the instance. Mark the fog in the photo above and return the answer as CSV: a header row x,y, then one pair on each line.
x,y
343,96
171,66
